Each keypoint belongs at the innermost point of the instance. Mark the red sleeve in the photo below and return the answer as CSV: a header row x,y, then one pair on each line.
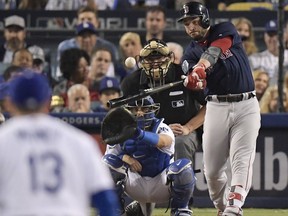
x,y
223,43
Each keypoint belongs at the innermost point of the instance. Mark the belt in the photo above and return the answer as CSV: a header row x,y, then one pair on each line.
x,y
231,97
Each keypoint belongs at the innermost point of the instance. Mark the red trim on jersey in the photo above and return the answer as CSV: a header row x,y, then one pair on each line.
x,y
223,43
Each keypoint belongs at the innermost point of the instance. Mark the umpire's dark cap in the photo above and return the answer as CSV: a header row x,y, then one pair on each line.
x,y
192,10
29,91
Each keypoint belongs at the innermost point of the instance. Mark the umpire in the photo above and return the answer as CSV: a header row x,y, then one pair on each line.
x,y
180,107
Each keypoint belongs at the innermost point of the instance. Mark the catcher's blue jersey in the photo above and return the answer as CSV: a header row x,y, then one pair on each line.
x,y
232,73
152,159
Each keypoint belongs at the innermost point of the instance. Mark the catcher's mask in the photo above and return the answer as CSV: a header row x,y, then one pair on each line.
x,y
155,59
144,110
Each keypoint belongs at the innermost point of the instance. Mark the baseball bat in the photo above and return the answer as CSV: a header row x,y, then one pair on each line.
x,y
123,100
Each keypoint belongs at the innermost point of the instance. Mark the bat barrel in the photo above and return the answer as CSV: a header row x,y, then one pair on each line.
x,y
122,100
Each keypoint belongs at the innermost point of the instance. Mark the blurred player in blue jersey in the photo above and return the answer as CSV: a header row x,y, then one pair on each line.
x,y
218,64
48,167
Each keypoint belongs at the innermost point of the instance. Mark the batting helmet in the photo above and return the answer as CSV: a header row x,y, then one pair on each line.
x,y
195,9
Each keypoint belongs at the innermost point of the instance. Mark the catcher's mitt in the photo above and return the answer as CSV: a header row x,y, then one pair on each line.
x,y
118,125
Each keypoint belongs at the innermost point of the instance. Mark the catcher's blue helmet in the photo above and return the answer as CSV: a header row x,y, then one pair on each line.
x,y
148,107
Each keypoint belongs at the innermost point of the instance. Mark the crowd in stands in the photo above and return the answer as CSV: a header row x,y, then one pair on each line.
x,y
221,5
90,68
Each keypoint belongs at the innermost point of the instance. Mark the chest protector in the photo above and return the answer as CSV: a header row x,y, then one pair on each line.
x,y
153,160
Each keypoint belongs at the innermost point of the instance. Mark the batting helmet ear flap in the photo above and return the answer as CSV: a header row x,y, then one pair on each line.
x,y
205,21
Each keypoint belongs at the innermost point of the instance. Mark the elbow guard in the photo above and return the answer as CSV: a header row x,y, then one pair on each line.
x,y
212,54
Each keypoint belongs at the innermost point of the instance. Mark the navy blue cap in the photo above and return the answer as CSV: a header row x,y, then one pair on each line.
x,y
29,91
108,83
85,27
271,26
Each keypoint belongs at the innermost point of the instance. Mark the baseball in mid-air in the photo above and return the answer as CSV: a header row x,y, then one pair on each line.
x,y
130,62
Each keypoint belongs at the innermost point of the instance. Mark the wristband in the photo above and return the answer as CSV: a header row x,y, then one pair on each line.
x,y
150,138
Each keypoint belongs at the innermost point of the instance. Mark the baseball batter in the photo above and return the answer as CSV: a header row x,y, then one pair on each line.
x,y
219,65
48,167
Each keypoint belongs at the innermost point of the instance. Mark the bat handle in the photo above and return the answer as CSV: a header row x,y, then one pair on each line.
x,y
183,77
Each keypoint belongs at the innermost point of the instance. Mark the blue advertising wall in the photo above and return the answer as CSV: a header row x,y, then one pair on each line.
x,y
270,177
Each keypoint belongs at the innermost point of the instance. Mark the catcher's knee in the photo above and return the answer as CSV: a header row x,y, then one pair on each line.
x,y
117,167
182,178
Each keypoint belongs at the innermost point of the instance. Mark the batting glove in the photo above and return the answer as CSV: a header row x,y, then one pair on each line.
x,y
196,79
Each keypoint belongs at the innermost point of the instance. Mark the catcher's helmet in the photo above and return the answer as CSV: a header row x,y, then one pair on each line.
x,y
148,107
155,59
195,9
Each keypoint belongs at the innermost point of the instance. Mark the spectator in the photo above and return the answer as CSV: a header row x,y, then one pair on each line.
x,y
269,102
9,4
96,4
109,89
130,46
261,80
245,29
79,99
69,4
74,67
87,14
167,4
22,58
38,58
14,36
100,61
84,39
113,5
32,4
155,24
267,60
177,50
11,72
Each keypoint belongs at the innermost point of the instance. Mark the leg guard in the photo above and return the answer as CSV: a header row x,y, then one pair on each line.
x,y
119,173
117,167
134,209
236,200
182,179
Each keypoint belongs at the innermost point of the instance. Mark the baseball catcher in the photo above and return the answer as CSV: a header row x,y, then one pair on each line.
x,y
141,165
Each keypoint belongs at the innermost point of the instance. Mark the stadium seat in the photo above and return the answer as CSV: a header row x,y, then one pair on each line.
x,y
248,6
